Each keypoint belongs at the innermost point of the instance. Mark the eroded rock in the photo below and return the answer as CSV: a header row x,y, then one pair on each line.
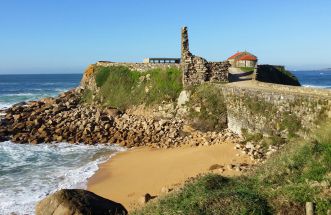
x,y
78,202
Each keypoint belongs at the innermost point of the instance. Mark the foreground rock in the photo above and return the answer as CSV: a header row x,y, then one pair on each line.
x,y
78,202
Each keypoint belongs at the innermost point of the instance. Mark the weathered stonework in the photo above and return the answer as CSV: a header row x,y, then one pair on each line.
x,y
218,71
88,80
140,67
273,109
197,70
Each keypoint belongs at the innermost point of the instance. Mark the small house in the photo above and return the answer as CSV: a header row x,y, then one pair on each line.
x,y
243,59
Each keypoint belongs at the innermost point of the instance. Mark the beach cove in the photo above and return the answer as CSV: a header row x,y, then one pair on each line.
x,y
129,175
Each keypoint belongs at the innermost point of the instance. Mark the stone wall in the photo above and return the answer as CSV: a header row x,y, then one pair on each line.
x,y
197,70
140,67
273,109
218,71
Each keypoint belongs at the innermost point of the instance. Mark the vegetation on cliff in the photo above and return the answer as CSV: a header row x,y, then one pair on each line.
x,y
299,173
121,87
287,123
207,109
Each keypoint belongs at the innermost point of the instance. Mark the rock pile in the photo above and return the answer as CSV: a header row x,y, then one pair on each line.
x,y
56,120
65,119
134,130
256,151
198,138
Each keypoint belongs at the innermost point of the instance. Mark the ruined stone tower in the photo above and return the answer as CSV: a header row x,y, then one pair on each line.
x,y
197,70
185,49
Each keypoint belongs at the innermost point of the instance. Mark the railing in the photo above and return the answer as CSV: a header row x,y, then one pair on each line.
x,y
162,60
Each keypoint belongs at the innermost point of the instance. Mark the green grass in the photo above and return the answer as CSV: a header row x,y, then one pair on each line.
x,y
290,122
299,173
207,110
87,96
102,75
121,87
247,69
210,194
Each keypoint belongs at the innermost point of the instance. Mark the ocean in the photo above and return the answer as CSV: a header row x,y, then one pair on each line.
x,y
17,88
313,78
28,173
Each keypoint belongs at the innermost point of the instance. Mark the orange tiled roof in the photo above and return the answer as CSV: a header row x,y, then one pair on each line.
x,y
243,56
235,55
248,57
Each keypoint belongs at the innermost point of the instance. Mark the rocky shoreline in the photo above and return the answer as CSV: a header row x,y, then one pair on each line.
x,y
66,119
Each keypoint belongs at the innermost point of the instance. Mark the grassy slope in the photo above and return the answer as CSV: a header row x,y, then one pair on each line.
x,y
120,87
301,172
211,114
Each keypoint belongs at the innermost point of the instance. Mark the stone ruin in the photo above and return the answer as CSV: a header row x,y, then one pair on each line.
x,y
197,70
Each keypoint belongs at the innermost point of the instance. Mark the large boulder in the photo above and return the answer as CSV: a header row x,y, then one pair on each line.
x,y
78,202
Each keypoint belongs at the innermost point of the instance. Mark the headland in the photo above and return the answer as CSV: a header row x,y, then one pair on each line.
x,y
188,119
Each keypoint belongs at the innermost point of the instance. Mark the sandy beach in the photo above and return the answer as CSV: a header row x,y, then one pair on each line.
x,y
131,174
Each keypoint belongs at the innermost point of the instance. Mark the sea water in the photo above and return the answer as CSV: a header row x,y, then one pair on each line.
x,y
28,173
314,78
18,88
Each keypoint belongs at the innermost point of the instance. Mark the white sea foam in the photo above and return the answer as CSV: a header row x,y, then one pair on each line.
x,y
9,99
60,89
28,173
316,86
19,94
4,105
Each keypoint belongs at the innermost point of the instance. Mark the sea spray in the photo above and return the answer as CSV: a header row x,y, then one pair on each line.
x,y
28,172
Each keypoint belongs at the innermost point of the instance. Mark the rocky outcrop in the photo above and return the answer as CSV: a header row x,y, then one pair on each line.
x,y
55,120
78,202
276,75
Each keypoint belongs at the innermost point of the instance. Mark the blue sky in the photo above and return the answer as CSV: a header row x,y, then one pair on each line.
x,y
55,36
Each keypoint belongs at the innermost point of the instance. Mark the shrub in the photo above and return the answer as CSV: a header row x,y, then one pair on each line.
x,y
121,87
101,76
207,110
87,96
290,122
